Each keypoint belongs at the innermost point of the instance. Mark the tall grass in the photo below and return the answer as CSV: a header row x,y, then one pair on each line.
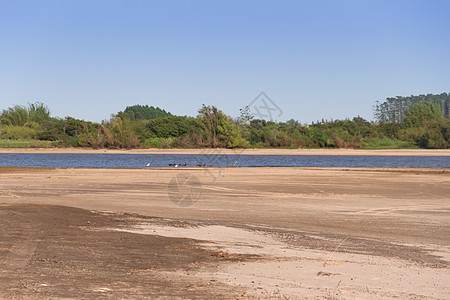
x,y
158,143
26,144
387,143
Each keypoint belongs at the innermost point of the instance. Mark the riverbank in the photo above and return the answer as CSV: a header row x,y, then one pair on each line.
x,y
245,233
396,152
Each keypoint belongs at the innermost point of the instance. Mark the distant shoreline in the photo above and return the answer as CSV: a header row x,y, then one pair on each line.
x,y
393,152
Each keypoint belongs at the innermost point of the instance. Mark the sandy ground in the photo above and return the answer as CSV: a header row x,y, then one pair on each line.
x,y
401,152
225,233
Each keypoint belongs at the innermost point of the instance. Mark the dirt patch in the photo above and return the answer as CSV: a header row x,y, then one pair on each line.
x,y
293,265
59,252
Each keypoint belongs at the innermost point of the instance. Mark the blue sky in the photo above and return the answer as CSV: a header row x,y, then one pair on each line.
x,y
315,59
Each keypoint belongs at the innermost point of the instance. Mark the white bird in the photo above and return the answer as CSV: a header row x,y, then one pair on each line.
x,y
176,166
148,165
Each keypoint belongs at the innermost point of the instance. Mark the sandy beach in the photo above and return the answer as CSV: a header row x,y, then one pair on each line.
x,y
234,233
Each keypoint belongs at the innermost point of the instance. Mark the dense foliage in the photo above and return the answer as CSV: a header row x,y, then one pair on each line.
x,y
422,125
144,112
395,109
20,115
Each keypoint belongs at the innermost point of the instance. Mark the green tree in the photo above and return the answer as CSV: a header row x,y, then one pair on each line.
x,y
218,129
123,132
395,109
209,116
246,115
20,115
144,112
170,126
419,114
38,112
436,135
16,116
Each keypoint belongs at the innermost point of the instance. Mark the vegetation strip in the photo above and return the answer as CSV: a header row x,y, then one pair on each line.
x,y
400,123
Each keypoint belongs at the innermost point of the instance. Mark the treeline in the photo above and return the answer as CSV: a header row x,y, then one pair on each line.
x,y
395,109
423,125
145,112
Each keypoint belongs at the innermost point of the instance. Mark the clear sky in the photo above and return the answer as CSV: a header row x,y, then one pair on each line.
x,y
314,59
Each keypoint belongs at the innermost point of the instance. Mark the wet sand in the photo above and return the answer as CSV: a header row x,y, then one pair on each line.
x,y
225,233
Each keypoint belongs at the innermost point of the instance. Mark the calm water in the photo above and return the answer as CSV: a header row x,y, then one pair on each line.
x,y
141,160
